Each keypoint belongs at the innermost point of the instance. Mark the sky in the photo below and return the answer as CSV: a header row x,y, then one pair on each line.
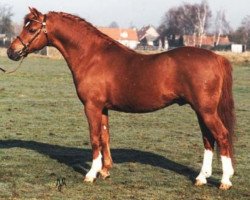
x,y
125,12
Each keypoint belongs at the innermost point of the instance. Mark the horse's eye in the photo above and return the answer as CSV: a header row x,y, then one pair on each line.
x,y
32,30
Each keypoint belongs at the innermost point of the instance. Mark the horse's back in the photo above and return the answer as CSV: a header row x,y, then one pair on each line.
x,y
193,57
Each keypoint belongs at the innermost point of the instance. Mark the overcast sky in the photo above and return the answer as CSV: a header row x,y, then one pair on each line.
x,y
125,12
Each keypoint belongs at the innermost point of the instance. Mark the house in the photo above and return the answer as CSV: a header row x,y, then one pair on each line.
x,y
238,48
148,35
127,37
206,41
149,38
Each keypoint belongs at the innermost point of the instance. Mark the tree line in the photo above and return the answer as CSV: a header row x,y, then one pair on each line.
x,y
187,19
196,19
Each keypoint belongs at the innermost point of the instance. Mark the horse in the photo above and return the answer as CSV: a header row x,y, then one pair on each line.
x,y
110,76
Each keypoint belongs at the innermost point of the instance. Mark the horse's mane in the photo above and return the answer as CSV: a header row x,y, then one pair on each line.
x,y
87,25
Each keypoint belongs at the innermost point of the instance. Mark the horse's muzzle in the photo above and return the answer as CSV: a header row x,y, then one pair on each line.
x,y
14,55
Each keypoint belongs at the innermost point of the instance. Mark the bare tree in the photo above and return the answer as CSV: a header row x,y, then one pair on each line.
x,y
242,34
222,26
199,15
177,21
113,25
246,29
5,20
190,19
203,13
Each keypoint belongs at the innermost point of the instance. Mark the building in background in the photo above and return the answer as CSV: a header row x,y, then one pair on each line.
x,y
125,36
4,42
206,41
150,39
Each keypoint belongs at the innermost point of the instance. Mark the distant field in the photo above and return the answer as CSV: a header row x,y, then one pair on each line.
x,y
44,138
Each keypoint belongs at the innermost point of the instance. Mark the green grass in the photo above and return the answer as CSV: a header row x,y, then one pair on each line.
x,y
44,137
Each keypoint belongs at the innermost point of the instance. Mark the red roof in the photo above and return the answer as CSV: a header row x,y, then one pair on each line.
x,y
190,40
119,34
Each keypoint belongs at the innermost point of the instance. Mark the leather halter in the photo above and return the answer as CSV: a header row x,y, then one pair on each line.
x,y
25,49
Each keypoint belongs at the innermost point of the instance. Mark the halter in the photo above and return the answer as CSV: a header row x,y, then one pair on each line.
x,y
25,49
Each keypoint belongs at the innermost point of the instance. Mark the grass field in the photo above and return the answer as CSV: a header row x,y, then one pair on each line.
x,y
44,138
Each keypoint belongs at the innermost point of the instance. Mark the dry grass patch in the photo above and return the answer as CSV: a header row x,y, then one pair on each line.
x,y
236,58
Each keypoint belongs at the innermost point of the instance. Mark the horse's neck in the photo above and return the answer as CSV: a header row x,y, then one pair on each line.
x,y
74,42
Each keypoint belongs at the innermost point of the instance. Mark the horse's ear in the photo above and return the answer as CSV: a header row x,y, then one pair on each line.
x,y
35,12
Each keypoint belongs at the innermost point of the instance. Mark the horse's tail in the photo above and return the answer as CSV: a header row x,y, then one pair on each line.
x,y
226,109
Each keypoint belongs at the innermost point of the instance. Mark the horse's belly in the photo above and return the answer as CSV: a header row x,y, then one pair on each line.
x,y
135,109
141,104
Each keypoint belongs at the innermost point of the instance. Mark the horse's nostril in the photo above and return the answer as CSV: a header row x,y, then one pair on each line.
x,y
13,55
9,52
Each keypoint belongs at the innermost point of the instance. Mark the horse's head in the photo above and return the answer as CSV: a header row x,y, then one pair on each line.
x,y
33,36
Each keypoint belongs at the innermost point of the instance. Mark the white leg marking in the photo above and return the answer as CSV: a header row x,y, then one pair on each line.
x,y
104,127
95,168
206,169
228,170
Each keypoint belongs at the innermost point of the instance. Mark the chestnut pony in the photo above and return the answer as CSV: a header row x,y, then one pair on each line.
x,y
108,75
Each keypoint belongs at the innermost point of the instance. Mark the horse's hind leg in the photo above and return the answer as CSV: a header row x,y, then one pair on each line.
x,y
105,142
220,133
208,139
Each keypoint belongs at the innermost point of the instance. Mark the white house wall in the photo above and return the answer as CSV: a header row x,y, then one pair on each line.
x,y
132,44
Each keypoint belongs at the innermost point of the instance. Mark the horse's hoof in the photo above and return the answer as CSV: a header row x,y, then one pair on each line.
x,y
224,186
199,183
89,179
104,174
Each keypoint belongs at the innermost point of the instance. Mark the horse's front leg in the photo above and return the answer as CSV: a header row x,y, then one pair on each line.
x,y
105,142
94,116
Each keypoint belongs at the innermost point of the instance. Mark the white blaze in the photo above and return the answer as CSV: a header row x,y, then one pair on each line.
x,y
27,24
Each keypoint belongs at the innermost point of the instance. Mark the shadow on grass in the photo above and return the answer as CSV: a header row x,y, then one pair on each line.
x,y
78,158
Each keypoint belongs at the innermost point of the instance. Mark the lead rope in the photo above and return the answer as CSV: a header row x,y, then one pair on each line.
x,y
3,70
12,71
